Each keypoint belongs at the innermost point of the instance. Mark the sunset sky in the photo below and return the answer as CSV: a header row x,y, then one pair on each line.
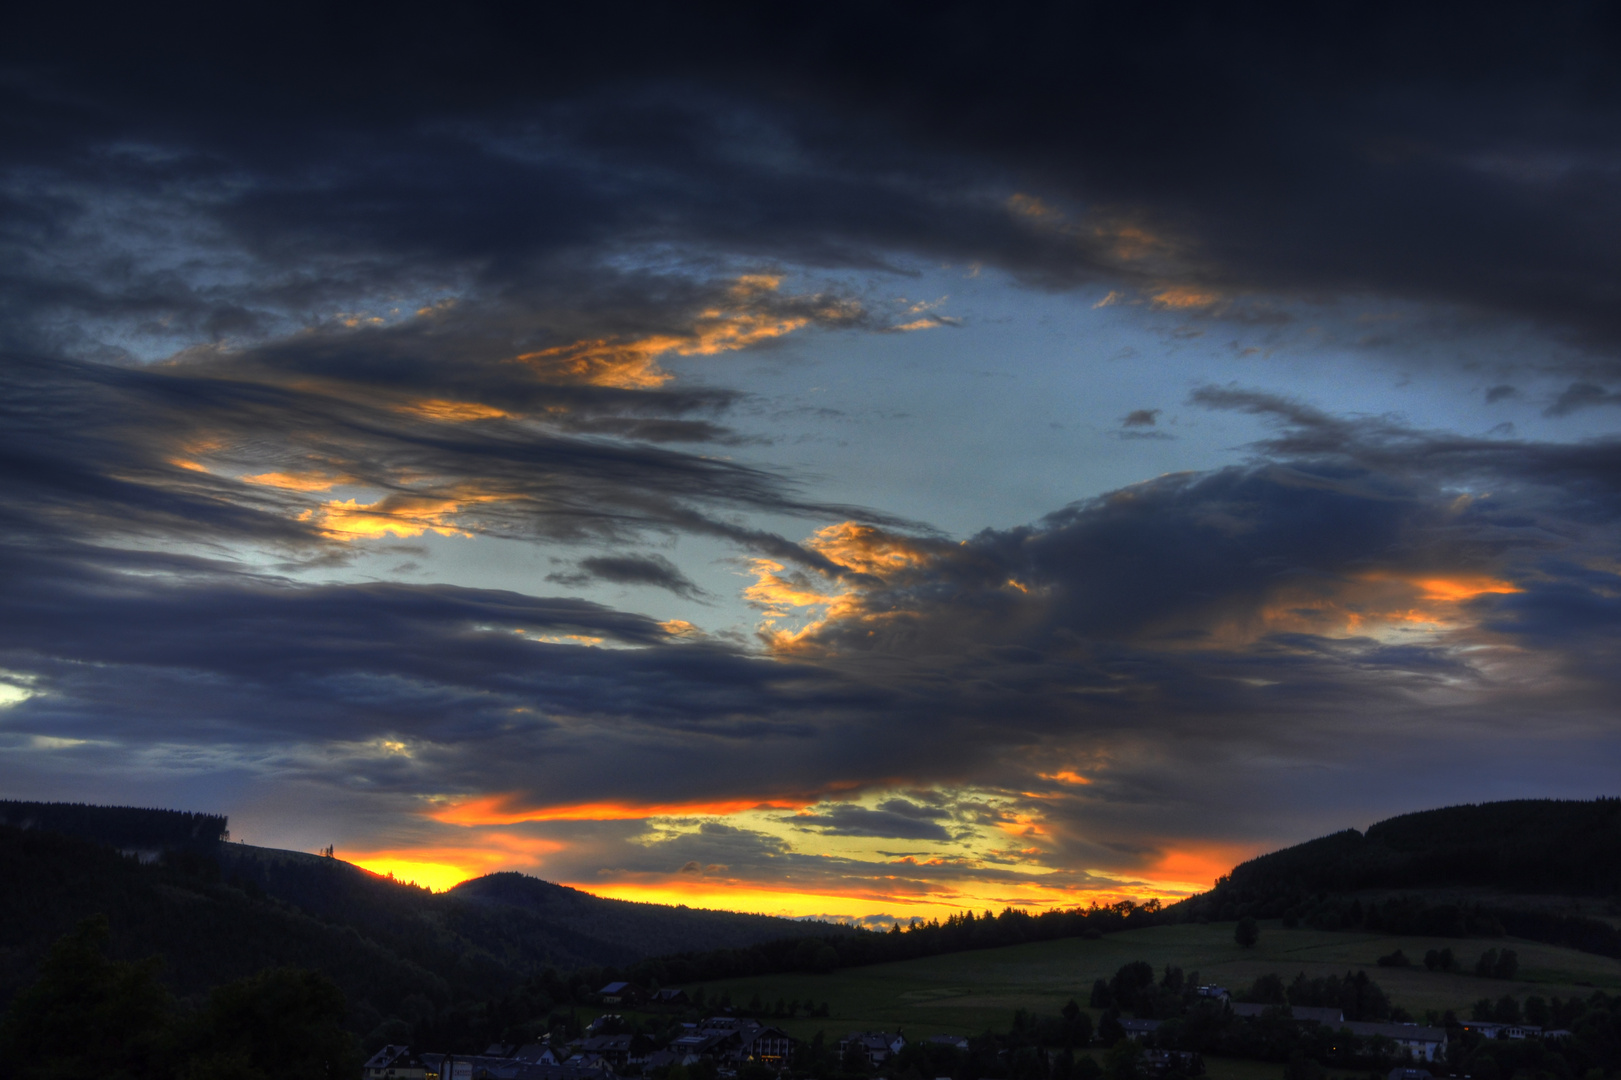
x,y
841,459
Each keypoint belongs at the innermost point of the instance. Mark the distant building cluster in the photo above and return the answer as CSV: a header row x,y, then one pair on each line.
x,y
729,1042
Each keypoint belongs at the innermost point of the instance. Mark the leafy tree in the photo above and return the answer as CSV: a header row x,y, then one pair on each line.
x,y
88,1017
282,1022
1268,990
1124,1061
1486,966
1507,1010
1301,1067
1247,933
1507,966
1077,1025
1439,960
1109,1029
1129,983
1537,1011
1101,998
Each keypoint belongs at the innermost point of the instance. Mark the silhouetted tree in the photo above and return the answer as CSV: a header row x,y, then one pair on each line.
x,y
88,1016
1247,933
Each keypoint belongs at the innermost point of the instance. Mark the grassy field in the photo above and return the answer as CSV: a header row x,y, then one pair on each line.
x,y
966,993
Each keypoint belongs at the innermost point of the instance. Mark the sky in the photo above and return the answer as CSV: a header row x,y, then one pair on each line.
x,y
846,460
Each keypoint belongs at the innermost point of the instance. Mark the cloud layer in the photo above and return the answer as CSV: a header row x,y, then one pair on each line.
x,y
308,321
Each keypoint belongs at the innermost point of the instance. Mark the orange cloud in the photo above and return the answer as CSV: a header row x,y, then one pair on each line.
x,y
747,318
1200,865
1459,589
294,481
439,867
1184,296
504,810
453,411
397,515
853,546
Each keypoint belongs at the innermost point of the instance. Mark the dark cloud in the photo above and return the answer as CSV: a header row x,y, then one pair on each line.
x,y
654,570
272,280
1578,396
896,819
1437,157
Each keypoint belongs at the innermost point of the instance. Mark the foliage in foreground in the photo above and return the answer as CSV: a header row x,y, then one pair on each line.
x,y
89,1017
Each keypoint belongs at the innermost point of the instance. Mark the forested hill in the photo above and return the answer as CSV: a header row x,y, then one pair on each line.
x,y
644,929
129,828
1475,870
1526,846
216,912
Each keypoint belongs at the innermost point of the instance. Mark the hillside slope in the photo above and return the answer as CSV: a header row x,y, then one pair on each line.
x,y
633,929
218,911
1533,868
1562,847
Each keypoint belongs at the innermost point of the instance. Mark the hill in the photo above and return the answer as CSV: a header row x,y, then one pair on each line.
x,y
1544,869
218,911
969,992
630,930
1549,846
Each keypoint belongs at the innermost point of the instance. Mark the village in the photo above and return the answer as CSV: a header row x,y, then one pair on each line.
x,y
727,1046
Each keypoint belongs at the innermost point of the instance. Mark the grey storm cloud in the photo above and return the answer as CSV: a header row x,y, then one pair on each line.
x,y
654,570
304,157
896,819
254,241
975,680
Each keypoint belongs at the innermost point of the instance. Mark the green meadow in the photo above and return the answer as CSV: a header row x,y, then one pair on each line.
x,y
966,993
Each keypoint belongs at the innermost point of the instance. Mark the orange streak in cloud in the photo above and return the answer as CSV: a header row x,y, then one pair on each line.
x,y
1183,296
440,867
294,481
453,411
1460,589
1200,865
502,810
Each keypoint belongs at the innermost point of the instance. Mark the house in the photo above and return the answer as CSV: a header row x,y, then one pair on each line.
x,y
875,1046
621,993
1424,1043
1407,1072
696,1045
956,1042
618,1050
1210,990
395,1063
521,1071
672,997
1136,1029
1159,1062
768,1045
1493,1030
1306,1014
536,1053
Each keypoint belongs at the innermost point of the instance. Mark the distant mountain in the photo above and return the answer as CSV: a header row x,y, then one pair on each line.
x,y
218,911
632,930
